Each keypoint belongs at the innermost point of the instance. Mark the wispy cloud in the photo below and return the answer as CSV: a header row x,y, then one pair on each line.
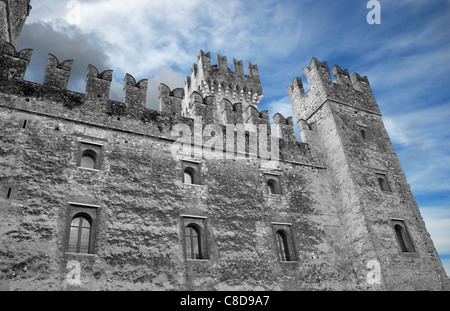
x,y
437,220
423,137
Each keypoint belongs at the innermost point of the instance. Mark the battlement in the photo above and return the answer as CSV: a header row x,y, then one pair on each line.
x,y
223,82
132,114
284,127
14,64
353,91
98,84
57,74
231,113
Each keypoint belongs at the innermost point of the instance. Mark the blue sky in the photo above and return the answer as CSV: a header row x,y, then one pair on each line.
x,y
406,58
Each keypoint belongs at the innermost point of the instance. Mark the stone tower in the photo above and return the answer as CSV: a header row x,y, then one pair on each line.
x,y
342,123
233,91
13,14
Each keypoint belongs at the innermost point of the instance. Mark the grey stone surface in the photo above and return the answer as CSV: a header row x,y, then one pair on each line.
x,y
339,219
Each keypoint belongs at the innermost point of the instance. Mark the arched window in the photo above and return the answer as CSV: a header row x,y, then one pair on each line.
x,y
193,242
363,133
382,181
403,239
273,185
283,246
190,172
80,234
189,176
88,159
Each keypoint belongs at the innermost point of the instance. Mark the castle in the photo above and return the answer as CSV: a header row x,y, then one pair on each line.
x,y
93,196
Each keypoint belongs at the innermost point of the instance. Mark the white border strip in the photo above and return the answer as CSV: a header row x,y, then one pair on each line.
x,y
193,216
90,143
83,204
394,218
191,160
282,223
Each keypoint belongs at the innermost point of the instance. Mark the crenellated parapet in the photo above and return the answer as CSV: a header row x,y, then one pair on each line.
x,y
135,93
223,83
13,64
170,101
230,113
284,127
98,84
94,105
355,91
57,74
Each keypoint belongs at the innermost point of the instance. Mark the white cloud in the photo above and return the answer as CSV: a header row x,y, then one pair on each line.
x,y
437,221
282,106
146,35
424,152
162,75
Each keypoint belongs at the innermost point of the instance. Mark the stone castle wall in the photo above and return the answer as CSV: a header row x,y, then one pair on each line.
x,y
329,203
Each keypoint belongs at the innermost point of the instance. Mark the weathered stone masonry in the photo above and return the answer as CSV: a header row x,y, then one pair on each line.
x,y
329,205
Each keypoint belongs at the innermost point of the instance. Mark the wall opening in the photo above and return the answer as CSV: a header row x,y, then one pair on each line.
x,y
80,234
88,159
193,242
402,235
383,182
89,156
9,193
283,246
191,173
273,184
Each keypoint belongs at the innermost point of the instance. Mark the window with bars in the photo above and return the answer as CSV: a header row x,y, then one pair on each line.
x,y
81,224
195,237
284,242
283,246
193,242
80,234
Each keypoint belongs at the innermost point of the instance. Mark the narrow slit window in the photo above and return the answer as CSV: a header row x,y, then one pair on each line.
x,y
284,242
9,192
383,182
400,236
283,246
24,124
403,237
363,133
